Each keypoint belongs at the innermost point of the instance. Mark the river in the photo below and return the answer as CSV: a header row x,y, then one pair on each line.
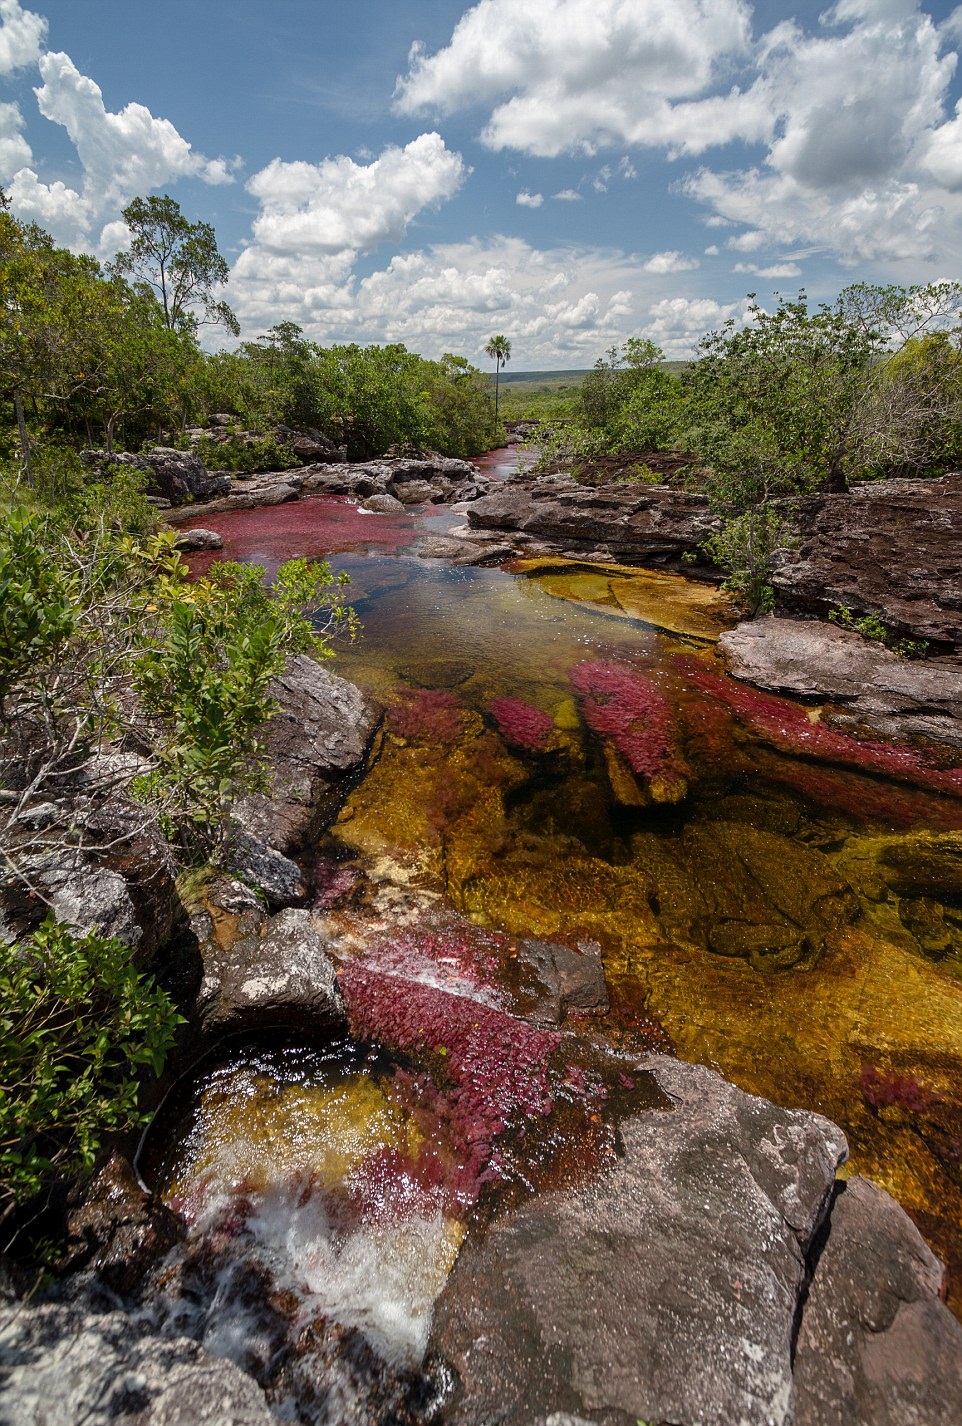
x,y
565,759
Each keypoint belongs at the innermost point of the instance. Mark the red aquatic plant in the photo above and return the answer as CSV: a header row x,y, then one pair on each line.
x,y
881,1090
522,724
629,710
788,727
426,715
491,1069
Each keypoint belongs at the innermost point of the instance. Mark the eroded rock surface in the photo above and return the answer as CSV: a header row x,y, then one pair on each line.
x,y
261,970
65,1364
814,659
318,736
649,524
876,1346
889,547
664,1291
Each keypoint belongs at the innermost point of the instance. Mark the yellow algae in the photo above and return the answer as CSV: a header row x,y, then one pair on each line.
x,y
252,1132
667,601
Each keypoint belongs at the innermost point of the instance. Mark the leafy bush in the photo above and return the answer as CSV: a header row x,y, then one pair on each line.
x,y
870,626
78,1026
236,454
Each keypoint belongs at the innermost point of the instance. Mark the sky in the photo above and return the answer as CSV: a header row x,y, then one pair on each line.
x,y
567,173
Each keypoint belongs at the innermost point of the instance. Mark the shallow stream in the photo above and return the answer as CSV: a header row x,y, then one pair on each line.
x,y
564,759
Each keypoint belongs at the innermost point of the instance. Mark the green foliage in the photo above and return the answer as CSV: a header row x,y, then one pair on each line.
x,y
37,613
236,454
872,627
78,1026
205,687
746,547
178,261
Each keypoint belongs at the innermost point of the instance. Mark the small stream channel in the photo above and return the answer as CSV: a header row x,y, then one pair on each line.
x,y
564,759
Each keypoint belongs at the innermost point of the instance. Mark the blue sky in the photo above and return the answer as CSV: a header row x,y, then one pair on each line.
x,y
566,172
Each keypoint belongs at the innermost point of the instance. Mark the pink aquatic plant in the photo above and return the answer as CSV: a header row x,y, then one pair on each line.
x,y
881,1090
521,724
426,715
788,727
489,1069
629,710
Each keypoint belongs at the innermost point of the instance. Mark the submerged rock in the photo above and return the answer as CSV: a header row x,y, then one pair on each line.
x,y
667,1289
814,659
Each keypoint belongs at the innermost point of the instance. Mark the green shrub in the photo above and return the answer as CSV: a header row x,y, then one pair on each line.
x,y
78,1025
237,454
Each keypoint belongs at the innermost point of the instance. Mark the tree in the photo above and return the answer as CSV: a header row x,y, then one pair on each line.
x,y
499,350
178,261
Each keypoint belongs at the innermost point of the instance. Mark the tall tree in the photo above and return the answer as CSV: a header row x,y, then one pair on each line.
x,y
499,350
179,261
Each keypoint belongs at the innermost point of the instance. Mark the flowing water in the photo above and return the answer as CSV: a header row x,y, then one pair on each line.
x,y
563,758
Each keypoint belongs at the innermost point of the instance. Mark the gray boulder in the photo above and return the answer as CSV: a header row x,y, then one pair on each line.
x,y
876,1346
189,540
814,659
263,866
318,736
383,504
665,1290
65,1366
262,970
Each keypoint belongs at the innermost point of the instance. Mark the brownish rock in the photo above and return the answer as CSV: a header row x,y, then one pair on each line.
x,y
890,547
120,1230
649,525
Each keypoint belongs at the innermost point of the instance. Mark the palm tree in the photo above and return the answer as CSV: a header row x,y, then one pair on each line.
x,y
499,350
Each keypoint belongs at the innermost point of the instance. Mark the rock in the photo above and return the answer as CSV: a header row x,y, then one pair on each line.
x,y
549,981
119,882
81,1368
876,1346
890,548
198,540
417,492
814,659
655,525
262,971
120,1230
317,737
740,890
177,476
665,1290
383,504
263,866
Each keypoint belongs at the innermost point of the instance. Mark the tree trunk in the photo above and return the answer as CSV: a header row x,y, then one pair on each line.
x,y
22,428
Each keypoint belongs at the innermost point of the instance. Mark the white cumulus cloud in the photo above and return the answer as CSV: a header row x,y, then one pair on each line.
x,y
529,200
22,34
14,149
123,154
576,75
670,262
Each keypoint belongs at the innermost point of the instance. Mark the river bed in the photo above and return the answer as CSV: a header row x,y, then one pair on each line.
x,y
564,758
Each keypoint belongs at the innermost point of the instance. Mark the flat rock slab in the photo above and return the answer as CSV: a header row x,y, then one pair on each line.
x,y
811,658
890,547
876,1346
652,524
664,1291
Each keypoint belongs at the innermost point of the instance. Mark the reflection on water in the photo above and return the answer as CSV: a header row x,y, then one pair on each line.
x,y
793,916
